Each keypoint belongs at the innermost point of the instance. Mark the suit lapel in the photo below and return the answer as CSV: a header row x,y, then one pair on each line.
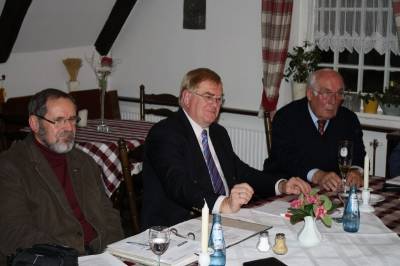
x,y
199,166
47,175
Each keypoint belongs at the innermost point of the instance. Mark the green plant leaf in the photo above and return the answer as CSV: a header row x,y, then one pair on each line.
x,y
327,220
314,191
327,202
296,218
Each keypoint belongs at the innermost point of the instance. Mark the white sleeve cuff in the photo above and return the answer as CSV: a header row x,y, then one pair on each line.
x,y
217,205
311,174
277,192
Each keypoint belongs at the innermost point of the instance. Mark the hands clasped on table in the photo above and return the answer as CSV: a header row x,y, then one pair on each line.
x,y
330,181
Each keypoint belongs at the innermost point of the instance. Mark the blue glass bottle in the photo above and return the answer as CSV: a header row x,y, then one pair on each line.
x,y
217,242
351,214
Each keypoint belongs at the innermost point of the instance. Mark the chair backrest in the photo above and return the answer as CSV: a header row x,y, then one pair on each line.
x,y
156,99
131,193
90,100
268,130
14,117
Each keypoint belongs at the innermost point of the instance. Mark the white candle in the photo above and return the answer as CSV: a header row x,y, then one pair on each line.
x,y
366,171
204,228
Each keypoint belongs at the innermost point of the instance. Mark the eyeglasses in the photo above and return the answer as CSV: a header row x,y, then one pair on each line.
x,y
326,94
59,122
209,98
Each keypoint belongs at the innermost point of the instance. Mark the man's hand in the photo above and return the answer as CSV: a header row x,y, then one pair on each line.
x,y
354,178
294,185
329,181
240,195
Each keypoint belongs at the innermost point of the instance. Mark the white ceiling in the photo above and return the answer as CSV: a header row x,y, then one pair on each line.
x,y
58,24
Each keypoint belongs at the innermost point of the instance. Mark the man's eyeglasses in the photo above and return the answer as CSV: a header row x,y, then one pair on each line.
x,y
59,122
209,98
326,94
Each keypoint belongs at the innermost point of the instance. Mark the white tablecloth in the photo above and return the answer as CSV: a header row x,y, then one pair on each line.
x,y
374,244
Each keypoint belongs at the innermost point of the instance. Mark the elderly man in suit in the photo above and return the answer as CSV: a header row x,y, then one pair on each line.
x,y
306,132
189,158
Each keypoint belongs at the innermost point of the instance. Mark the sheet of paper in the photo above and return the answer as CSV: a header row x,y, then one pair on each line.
x,y
180,251
234,230
276,208
103,259
394,181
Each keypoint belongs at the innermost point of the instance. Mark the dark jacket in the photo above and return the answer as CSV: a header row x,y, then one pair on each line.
x,y
175,176
298,147
34,208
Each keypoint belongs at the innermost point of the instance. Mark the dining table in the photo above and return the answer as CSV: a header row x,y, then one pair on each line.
x,y
376,243
386,203
103,146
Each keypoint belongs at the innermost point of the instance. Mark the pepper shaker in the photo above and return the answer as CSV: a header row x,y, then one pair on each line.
x,y
263,242
280,247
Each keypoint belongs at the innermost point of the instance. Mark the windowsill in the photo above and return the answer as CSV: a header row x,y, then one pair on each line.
x,y
379,120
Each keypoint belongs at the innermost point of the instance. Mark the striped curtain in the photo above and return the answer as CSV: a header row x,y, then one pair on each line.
x,y
275,25
396,16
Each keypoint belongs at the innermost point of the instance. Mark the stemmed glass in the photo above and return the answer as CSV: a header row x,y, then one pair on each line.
x,y
345,157
159,237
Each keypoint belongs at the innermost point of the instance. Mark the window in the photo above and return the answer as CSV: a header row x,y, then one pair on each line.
x,y
359,39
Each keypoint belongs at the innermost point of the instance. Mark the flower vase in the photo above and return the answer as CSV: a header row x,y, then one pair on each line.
x,y
102,127
309,236
299,90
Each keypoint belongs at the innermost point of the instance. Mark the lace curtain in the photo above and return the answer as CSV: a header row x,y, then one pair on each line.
x,y
361,25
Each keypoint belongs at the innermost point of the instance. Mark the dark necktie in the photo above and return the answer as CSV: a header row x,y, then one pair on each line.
x,y
321,126
216,180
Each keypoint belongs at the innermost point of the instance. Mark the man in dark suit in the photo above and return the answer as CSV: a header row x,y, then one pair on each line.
x,y
189,158
302,147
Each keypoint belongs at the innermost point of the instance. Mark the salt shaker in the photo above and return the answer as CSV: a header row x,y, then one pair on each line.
x,y
263,242
280,247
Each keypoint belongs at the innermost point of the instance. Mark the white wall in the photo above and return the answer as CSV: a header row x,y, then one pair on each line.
x,y
155,50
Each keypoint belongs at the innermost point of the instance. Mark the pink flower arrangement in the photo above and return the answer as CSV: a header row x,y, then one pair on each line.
x,y
314,205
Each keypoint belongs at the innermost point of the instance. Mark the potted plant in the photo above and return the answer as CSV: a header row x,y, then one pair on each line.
x,y
390,99
302,61
370,102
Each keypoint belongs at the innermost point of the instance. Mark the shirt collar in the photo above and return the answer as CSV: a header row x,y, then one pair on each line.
x,y
314,117
196,127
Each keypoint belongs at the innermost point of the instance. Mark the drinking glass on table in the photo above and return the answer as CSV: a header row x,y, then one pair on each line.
x,y
159,240
345,158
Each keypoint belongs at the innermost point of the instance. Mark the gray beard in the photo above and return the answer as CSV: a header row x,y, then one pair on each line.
x,y
59,148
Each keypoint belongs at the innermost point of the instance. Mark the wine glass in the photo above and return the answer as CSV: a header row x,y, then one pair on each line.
x,y
159,240
345,157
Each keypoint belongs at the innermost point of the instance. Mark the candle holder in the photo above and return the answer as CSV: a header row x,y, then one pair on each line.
x,y
204,259
365,207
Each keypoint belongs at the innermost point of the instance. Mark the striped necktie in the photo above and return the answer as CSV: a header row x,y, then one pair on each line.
x,y
321,126
216,180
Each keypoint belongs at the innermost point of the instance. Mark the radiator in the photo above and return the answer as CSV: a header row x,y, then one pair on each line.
x,y
249,144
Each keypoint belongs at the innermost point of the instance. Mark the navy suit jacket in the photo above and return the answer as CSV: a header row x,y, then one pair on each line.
x,y
175,176
298,147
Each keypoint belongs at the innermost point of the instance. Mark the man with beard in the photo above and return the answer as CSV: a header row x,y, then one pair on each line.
x,y
51,192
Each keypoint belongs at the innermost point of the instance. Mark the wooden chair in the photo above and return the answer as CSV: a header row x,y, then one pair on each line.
x,y
156,99
130,189
14,117
268,130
